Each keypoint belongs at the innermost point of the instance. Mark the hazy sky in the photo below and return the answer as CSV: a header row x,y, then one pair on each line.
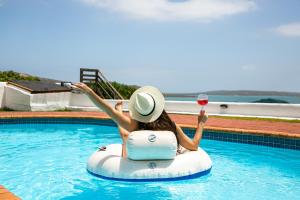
x,y
176,45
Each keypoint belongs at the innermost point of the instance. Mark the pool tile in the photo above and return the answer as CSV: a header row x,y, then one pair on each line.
x,y
266,140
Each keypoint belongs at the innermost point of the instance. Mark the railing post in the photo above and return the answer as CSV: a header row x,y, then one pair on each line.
x,y
81,75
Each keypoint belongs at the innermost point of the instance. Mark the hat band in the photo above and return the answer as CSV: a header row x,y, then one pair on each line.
x,y
152,108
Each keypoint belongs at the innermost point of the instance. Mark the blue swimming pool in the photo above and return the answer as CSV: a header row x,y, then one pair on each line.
x,y
48,161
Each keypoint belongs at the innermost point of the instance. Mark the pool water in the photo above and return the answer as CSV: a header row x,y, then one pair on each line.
x,y
48,161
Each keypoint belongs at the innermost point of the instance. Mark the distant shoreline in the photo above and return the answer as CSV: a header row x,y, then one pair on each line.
x,y
240,98
236,93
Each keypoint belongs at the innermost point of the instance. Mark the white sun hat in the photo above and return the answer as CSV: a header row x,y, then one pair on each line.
x,y
146,104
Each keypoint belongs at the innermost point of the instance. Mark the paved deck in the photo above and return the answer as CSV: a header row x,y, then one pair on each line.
x,y
258,127
6,195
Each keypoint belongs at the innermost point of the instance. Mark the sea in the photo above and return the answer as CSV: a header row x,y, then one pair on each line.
x,y
238,98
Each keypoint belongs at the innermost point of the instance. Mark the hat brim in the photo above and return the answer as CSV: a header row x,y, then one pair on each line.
x,y
159,104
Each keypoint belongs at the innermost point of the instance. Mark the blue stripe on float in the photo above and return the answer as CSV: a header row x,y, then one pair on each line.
x,y
196,175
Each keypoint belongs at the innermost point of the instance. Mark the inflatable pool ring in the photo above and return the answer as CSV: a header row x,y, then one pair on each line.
x,y
151,157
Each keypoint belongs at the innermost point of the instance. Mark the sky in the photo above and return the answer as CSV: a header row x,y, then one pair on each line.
x,y
175,45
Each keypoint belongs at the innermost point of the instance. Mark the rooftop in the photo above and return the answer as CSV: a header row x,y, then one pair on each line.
x,y
35,87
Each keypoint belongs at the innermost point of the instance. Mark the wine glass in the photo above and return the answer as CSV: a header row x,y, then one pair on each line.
x,y
202,100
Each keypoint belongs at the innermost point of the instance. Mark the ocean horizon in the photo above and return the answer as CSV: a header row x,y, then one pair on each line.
x,y
238,98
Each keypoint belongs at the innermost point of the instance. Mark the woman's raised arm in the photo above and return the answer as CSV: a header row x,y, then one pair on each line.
x,y
188,143
121,119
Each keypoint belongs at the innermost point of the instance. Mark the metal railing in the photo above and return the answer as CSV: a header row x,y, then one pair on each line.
x,y
99,83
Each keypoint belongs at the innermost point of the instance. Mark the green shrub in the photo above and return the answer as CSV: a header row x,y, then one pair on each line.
x,y
11,75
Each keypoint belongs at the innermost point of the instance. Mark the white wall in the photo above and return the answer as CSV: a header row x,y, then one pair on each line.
x,y
243,109
22,100
213,108
49,101
81,102
19,99
2,94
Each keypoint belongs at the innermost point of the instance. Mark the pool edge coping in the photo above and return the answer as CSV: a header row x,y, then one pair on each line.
x,y
102,116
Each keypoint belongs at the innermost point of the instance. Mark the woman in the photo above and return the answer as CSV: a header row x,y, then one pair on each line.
x,y
146,110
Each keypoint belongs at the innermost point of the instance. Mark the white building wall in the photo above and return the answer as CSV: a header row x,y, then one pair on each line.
x,y
81,102
2,94
237,109
17,99
49,101
213,108
22,100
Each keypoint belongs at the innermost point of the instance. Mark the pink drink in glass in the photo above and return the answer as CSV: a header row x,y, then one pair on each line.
x,y
202,100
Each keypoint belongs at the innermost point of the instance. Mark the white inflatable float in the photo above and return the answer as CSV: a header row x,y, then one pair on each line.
x,y
151,157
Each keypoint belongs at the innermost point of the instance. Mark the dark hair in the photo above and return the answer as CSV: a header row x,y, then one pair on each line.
x,y
163,123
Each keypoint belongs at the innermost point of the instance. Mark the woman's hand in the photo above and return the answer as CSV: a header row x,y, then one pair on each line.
x,y
202,118
83,87
119,106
